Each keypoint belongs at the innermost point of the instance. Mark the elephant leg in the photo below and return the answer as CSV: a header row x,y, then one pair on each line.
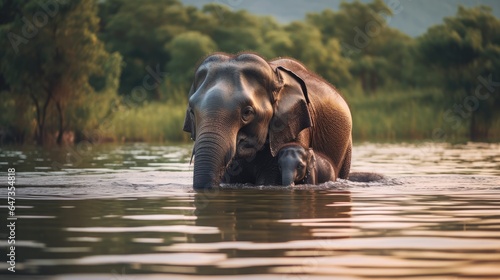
x,y
346,165
268,175
236,172
312,178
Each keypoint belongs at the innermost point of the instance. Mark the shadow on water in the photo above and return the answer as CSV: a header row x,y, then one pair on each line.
x,y
131,213
184,233
251,217
254,215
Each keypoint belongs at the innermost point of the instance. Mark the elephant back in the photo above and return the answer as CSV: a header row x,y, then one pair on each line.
x,y
331,121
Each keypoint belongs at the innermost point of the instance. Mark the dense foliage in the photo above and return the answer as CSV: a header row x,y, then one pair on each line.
x,y
120,70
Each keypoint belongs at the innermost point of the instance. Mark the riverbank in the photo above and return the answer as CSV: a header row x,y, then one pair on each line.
x,y
382,116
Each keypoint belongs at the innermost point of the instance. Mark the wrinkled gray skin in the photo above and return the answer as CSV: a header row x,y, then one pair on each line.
x,y
239,103
298,165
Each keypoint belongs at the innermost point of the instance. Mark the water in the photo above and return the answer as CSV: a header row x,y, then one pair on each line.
x,y
129,212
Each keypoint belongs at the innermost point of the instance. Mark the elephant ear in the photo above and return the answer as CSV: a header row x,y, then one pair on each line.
x,y
291,114
188,124
188,120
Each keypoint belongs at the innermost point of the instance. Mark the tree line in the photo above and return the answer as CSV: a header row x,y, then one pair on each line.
x,y
70,66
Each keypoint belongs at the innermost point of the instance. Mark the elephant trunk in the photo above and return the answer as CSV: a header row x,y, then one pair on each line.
x,y
213,152
288,178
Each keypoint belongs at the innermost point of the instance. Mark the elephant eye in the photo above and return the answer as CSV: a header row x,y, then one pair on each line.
x,y
300,166
247,113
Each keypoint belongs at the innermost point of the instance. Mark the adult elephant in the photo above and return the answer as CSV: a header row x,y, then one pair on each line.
x,y
238,103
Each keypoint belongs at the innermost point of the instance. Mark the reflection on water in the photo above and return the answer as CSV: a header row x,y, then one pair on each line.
x,y
430,158
360,233
388,159
146,222
91,159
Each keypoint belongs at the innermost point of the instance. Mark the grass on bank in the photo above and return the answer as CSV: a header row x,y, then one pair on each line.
x,y
408,116
381,116
390,116
385,115
151,122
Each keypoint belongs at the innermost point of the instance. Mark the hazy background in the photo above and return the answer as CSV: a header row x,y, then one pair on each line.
x,y
120,71
414,19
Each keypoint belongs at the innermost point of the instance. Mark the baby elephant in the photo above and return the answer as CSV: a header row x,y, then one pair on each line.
x,y
300,166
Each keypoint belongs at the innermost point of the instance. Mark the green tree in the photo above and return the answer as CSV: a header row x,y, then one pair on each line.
x,y
352,19
234,32
90,115
278,42
52,52
377,52
187,49
324,58
465,53
335,67
395,49
139,30
307,44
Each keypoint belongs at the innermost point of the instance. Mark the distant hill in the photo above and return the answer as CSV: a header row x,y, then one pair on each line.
x,y
414,16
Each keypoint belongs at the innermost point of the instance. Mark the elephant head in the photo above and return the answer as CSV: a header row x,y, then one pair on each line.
x,y
236,104
296,164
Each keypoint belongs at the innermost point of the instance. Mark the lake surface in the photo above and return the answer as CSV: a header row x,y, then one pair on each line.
x,y
129,212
